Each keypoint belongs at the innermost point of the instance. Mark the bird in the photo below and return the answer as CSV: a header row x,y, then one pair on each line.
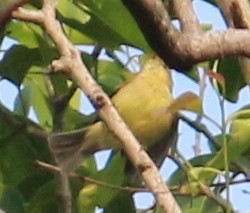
x,y
143,104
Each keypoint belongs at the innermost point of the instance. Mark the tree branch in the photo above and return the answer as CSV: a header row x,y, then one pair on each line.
x,y
241,20
55,169
71,63
155,23
236,14
188,19
182,50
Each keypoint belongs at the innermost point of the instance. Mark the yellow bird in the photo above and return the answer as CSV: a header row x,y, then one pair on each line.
x,y
143,104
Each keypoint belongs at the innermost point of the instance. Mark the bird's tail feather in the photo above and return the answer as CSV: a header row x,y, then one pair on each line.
x,y
66,148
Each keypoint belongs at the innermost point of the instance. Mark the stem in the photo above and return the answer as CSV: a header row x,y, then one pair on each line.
x,y
225,148
197,146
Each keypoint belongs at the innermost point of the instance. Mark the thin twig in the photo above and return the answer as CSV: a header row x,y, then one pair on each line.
x,y
91,180
225,153
56,169
197,146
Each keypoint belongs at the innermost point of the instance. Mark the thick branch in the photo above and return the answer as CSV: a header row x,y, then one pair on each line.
x,y
157,28
182,50
212,45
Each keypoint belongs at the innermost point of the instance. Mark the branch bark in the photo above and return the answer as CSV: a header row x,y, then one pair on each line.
x,y
182,49
71,63
188,19
236,15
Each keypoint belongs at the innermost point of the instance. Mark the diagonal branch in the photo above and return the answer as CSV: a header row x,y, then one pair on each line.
x,y
71,63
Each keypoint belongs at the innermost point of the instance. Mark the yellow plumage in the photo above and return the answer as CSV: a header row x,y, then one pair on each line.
x,y
142,103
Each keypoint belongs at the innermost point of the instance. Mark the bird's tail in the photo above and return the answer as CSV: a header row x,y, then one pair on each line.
x,y
66,148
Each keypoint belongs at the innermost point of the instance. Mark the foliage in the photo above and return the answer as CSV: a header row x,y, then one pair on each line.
x,y
107,25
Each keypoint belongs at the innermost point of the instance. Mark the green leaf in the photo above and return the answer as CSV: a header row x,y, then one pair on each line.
x,y
237,141
87,167
243,114
40,103
16,158
244,162
74,17
196,176
112,76
239,131
203,173
210,206
178,177
69,10
75,101
39,201
5,130
44,199
19,30
10,200
100,24
60,84
17,61
73,119
92,194
193,73
33,182
37,38
22,102
199,204
122,203
230,69
19,149
76,37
